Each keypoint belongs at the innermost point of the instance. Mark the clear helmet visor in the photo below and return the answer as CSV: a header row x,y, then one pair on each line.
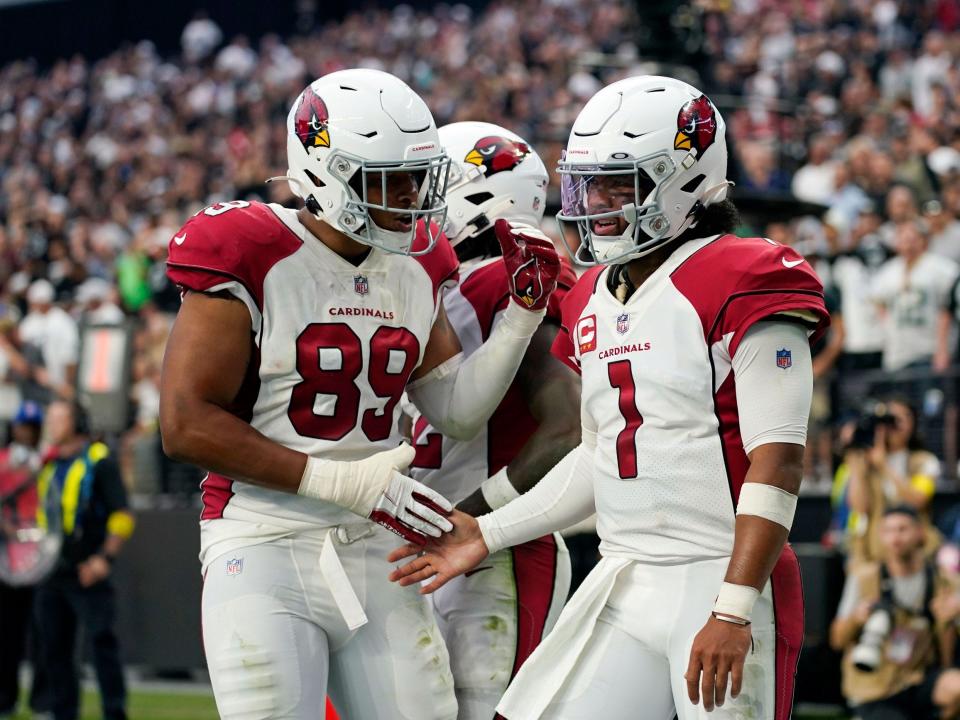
x,y
613,206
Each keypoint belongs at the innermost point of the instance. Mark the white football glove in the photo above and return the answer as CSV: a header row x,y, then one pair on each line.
x,y
375,488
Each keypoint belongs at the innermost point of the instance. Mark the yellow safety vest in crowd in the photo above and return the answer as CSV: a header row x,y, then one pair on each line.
x,y
77,486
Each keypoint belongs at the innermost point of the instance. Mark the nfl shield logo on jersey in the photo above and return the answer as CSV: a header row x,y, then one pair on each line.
x,y
623,323
784,359
235,566
360,284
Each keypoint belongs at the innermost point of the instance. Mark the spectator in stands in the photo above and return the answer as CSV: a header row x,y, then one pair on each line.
x,y
887,465
850,199
200,37
95,302
896,627
760,172
944,230
52,334
12,364
852,276
911,290
901,207
19,462
96,523
814,181
947,324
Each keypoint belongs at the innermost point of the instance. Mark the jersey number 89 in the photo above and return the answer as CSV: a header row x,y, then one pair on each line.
x,y
340,381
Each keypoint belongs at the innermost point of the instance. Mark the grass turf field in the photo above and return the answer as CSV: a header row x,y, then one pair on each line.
x,y
199,706
151,706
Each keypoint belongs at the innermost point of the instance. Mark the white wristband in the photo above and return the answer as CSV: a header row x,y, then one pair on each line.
x,y
767,501
497,490
354,484
736,601
313,480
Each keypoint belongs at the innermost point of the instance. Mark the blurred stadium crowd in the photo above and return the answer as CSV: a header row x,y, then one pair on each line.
x,y
850,106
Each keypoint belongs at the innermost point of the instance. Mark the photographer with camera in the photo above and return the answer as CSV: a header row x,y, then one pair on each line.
x,y
896,625
888,466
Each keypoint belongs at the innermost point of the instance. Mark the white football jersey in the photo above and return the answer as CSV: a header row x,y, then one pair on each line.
x,y
657,382
456,468
333,347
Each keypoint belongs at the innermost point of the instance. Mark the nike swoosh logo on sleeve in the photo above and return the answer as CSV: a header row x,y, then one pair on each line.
x,y
790,263
178,239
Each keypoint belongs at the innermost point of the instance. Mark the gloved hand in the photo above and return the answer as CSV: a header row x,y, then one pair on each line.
x,y
532,263
412,510
376,488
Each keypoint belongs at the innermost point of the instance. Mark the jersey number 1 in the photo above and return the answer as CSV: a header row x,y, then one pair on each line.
x,y
335,373
621,378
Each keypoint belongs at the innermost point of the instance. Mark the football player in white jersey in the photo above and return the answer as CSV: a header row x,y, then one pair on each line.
x,y
298,333
693,346
492,619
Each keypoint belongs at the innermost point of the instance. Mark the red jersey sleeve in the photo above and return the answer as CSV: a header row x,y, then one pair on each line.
x,y
571,308
735,282
229,242
441,263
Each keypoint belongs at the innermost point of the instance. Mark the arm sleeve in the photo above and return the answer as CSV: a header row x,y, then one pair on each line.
x,y
773,401
562,498
459,396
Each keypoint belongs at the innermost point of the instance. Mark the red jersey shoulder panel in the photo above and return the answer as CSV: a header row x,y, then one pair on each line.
x,y
733,282
230,241
441,263
571,307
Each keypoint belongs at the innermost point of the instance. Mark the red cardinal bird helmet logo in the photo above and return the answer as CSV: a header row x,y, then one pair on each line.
x,y
310,122
496,154
528,283
696,126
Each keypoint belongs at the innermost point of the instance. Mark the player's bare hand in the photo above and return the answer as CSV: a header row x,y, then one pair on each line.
x,y
441,558
716,658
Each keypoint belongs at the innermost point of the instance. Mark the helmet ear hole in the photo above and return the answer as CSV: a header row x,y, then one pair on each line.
x,y
314,179
478,198
693,183
313,206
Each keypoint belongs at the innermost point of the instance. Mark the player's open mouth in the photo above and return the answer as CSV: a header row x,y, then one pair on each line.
x,y
607,226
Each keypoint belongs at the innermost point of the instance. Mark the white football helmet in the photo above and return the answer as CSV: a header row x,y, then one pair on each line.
x,y
348,131
494,174
665,133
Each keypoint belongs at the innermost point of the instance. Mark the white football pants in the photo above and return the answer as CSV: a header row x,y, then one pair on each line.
x,y
493,618
634,660
277,644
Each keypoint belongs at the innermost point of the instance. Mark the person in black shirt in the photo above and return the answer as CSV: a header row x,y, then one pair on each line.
x,y
95,523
